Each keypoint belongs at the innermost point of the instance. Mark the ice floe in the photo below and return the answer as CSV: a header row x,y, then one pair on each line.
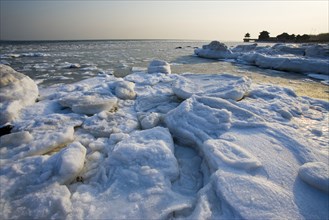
x,y
166,146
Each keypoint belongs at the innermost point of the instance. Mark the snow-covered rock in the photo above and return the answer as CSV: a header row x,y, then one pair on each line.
x,y
16,92
159,66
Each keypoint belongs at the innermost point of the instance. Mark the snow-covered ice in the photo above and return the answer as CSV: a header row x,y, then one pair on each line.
x,y
165,146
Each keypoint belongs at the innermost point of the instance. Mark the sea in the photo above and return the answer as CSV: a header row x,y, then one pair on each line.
x,y
52,63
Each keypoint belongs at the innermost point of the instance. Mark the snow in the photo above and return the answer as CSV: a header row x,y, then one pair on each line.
x,y
300,58
167,146
16,92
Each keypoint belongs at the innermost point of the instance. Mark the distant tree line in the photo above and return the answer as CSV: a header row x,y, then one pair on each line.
x,y
289,38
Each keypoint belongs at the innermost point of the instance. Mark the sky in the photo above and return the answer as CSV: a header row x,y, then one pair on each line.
x,y
195,20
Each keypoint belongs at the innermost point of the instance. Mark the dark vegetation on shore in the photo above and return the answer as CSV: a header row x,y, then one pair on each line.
x,y
264,36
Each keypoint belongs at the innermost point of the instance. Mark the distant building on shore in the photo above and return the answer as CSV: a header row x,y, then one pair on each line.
x,y
264,36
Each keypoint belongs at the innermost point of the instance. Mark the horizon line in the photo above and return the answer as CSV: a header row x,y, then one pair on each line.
x,y
116,39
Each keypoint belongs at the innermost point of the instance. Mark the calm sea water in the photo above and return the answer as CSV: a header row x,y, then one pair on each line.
x,y
50,63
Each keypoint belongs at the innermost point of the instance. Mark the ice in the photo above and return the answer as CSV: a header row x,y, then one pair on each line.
x,y
43,195
106,123
292,64
254,197
229,153
149,120
159,66
315,174
125,90
36,54
319,76
99,97
302,58
213,116
154,92
244,48
215,50
16,92
228,87
43,135
65,165
317,50
167,146
140,167
89,104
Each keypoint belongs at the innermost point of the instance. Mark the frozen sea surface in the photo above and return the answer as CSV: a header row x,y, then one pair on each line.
x,y
51,63
149,146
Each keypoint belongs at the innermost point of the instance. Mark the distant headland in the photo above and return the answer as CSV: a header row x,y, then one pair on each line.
x,y
264,36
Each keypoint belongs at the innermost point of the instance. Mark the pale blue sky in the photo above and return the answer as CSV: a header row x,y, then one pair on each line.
x,y
208,20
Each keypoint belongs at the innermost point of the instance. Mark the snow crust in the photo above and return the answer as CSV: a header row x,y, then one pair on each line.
x,y
167,146
302,58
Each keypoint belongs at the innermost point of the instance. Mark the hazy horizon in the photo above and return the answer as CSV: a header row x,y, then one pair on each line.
x,y
143,20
